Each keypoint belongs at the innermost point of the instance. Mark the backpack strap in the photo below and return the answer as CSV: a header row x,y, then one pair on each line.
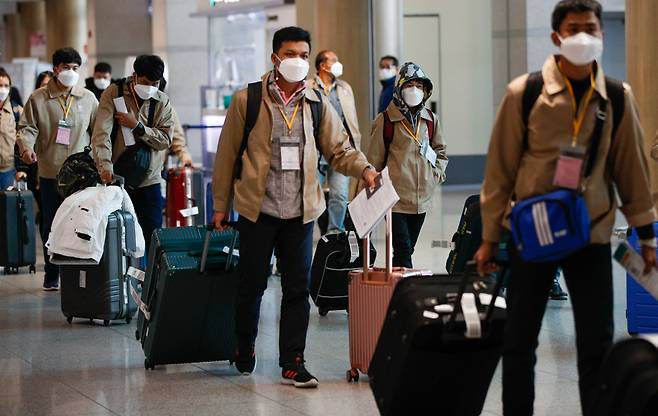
x,y
533,87
115,127
316,114
430,124
151,115
615,90
254,98
388,134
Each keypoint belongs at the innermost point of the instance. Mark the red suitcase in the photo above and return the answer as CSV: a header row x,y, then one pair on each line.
x,y
369,294
181,205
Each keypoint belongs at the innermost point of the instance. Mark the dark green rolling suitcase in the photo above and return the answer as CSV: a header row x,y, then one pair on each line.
x,y
187,310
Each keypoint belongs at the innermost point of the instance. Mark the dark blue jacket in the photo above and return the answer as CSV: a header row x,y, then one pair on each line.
x,y
388,85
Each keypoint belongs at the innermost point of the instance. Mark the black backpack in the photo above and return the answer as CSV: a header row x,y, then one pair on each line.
x,y
254,98
77,172
134,162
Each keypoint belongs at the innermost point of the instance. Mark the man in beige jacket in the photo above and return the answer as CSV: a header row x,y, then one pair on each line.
x,y
57,121
518,168
277,194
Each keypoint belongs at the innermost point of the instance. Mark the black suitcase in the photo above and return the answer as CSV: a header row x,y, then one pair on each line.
x,y
628,380
335,256
423,361
101,291
17,230
188,312
468,237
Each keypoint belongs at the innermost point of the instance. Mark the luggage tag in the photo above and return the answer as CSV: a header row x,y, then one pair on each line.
x,y
63,133
289,146
569,167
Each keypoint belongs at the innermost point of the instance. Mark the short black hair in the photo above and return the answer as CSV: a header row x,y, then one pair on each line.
x,y
564,7
149,66
4,73
290,34
320,58
103,67
391,57
66,56
41,76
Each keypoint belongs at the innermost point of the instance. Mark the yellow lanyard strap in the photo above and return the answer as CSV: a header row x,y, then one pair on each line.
x,y
579,116
413,136
66,108
290,122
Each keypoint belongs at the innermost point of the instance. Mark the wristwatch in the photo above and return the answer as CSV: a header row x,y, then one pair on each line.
x,y
139,129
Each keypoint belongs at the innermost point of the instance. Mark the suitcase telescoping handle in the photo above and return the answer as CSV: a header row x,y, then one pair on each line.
x,y
206,246
388,218
470,270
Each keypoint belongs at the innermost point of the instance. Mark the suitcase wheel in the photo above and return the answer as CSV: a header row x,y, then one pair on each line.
x,y
352,375
148,365
323,311
69,319
106,322
137,334
33,269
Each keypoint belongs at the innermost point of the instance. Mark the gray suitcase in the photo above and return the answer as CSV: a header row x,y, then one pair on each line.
x,y
17,229
101,291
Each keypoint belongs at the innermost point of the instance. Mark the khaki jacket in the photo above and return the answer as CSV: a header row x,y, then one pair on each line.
x,y
37,128
178,140
7,136
346,98
413,176
157,137
247,193
511,170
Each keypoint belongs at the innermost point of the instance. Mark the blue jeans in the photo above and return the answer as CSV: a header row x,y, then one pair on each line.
x,y
50,202
148,205
337,203
7,179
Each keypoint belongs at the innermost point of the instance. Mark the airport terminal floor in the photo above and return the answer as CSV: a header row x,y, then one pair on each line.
x,y
48,367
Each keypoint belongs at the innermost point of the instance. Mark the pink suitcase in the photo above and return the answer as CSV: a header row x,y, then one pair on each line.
x,y
370,291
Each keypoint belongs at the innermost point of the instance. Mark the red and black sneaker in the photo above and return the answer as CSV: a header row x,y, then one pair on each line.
x,y
295,374
245,360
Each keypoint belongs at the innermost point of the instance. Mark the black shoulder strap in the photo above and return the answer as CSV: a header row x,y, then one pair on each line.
x,y
151,116
615,90
595,139
254,97
115,126
388,134
316,114
533,87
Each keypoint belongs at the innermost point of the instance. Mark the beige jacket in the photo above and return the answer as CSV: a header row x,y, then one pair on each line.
x,y
157,137
7,136
346,98
178,139
247,193
413,176
37,128
511,170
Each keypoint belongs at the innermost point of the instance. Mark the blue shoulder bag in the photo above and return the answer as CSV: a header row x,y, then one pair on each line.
x,y
552,226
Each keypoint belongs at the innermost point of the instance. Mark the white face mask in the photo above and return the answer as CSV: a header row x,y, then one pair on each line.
x,y
4,93
413,96
336,69
68,77
387,73
101,83
581,49
293,69
146,92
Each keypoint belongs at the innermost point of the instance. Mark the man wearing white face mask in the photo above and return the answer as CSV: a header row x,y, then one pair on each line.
x,y
56,122
388,69
566,127
340,95
150,119
266,169
101,80
407,138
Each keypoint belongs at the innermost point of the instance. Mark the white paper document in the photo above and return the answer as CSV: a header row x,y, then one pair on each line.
x,y
120,106
370,206
633,262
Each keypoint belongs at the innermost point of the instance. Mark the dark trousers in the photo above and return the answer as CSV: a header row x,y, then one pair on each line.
x,y
406,228
293,241
50,202
148,207
588,274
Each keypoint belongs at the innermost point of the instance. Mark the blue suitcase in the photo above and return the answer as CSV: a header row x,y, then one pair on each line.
x,y
641,308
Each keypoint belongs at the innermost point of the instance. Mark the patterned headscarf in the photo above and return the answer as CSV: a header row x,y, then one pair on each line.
x,y
408,72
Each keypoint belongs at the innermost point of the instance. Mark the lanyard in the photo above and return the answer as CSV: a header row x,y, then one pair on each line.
x,y
132,92
579,116
290,122
413,136
65,108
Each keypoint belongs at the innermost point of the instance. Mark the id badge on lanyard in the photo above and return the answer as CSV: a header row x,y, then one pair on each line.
x,y
569,169
63,133
289,146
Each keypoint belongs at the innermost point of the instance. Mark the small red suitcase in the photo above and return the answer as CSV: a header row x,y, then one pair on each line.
x,y
180,204
369,294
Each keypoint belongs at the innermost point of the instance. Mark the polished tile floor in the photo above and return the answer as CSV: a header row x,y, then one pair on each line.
x,y
48,367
